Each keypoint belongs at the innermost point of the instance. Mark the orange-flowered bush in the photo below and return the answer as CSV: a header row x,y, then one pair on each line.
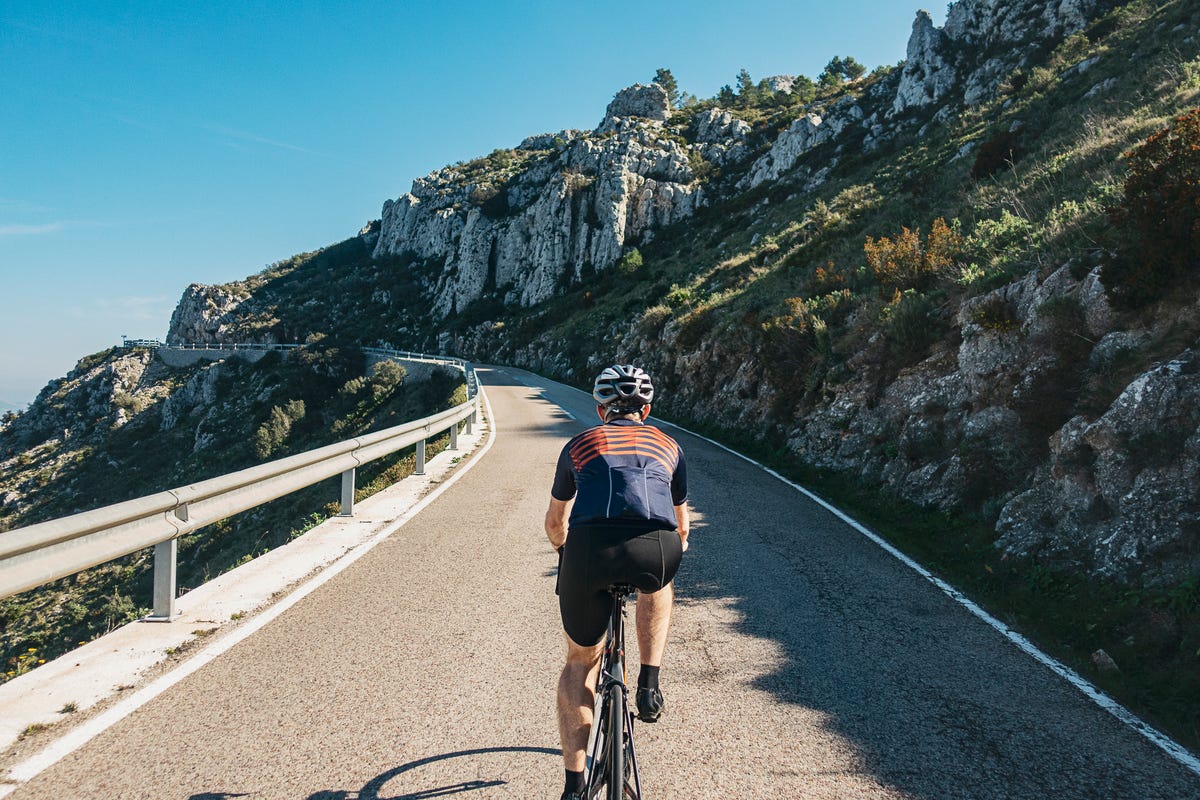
x,y
904,262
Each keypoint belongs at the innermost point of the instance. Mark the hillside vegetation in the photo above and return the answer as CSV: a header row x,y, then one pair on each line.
x,y
124,425
957,295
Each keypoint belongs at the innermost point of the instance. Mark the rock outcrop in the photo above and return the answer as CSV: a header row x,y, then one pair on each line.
x,y
804,135
203,314
981,43
721,137
574,211
927,77
640,101
1122,491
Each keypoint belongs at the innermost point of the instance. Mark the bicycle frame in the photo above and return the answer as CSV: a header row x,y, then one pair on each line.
x,y
611,763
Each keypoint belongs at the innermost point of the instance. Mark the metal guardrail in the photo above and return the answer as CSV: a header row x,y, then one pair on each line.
x,y
37,554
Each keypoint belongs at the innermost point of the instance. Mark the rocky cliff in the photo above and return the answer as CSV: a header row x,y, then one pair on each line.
x,y
573,210
1029,400
521,224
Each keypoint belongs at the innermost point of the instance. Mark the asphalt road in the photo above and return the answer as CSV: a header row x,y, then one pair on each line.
x,y
804,662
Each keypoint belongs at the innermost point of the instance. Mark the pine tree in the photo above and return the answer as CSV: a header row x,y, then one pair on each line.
x,y
666,80
744,82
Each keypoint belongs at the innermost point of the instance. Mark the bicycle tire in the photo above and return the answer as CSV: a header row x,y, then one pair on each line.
x,y
616,745
597,757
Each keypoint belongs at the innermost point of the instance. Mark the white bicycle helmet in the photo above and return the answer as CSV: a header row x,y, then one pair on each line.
x,y
623,386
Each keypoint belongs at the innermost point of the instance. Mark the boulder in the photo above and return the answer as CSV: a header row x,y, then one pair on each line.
x,y
1120,496
644,101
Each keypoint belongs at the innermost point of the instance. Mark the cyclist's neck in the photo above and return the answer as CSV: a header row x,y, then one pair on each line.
x,y
620,421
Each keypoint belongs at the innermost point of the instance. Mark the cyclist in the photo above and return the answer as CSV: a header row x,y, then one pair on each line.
x,y
628,524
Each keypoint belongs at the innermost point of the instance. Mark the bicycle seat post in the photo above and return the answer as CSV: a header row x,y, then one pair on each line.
x,y
616,644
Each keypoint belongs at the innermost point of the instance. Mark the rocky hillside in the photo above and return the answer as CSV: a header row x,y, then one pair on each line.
x,y
900,274
123,424
966,282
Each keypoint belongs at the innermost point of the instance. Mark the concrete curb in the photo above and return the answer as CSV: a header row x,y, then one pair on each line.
x,y
91,676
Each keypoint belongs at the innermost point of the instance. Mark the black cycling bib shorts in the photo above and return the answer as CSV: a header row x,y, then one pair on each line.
x,y
626,479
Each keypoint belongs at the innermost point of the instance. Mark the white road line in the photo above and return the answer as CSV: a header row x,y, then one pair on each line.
x,y
1157,737
78,737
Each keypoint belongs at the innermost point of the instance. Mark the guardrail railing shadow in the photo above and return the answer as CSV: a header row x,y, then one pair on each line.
x,y
38,554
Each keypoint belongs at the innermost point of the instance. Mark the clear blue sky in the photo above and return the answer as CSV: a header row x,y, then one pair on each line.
x,y
145,146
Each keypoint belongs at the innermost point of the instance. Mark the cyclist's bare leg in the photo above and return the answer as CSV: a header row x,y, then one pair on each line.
x,y
576,698
653,620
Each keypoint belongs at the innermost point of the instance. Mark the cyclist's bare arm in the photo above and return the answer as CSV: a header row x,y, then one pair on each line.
x,y
556,521
684,522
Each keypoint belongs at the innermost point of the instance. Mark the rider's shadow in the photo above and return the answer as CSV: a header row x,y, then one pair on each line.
x,y
375,789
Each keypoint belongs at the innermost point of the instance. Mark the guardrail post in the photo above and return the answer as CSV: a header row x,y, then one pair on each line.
x,y
166,565
454,436
419,469
347,493
467,426
165,558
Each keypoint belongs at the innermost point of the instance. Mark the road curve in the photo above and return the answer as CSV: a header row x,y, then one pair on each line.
x,y
804,662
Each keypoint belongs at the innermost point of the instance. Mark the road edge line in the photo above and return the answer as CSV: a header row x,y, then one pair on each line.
x,y
77,737
1090,690
1161,740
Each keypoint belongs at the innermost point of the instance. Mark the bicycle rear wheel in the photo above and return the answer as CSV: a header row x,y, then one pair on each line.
x,y
598,748
616,745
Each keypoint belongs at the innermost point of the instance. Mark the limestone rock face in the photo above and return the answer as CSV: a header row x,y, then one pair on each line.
x,y
927,76
89,397
805,134
781,83
575,210
549,141
199,391
982,42
203,314
1123,491
647,102
722,137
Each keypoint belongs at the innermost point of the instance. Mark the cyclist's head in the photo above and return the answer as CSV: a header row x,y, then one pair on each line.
x,y
623,389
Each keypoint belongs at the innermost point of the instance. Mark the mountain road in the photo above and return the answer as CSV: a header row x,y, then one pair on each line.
x,y
804,661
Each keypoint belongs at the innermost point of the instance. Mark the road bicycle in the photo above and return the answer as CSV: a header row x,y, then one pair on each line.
x,y
612,772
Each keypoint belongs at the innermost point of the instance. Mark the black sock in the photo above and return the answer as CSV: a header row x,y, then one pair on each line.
x,y
574,782
648,677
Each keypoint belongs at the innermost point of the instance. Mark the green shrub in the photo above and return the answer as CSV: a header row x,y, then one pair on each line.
x,y
385,377
911,325
680,296
1001,243
274,432
995,154
1158,219
630,263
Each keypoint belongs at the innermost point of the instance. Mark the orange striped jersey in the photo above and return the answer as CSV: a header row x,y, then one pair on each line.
x,y
623,472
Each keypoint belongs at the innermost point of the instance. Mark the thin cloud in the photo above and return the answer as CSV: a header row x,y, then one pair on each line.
x,y
131,303
31,230
131,308
12,205
246,136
